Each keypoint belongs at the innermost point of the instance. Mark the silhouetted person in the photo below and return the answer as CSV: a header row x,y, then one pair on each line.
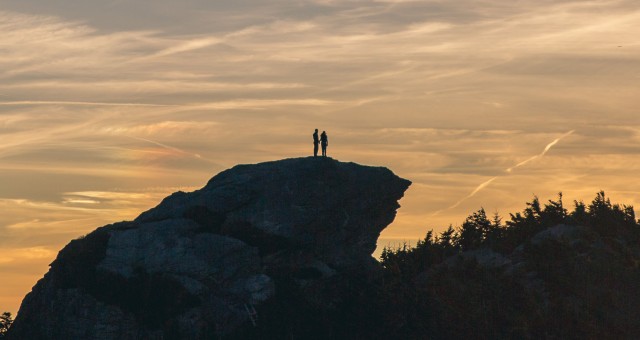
x,y
316,141
324,141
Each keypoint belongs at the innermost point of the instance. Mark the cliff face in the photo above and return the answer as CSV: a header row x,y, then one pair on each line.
x,y
288,236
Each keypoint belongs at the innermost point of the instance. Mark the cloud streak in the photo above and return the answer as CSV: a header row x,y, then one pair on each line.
x,y
108,100
508,170
544,152
473,193
72,103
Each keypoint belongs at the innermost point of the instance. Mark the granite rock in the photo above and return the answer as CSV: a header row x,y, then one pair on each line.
x,y
198,265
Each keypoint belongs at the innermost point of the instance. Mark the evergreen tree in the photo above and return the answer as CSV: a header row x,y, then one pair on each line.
x,y
474,230
554,212
579,214
5,323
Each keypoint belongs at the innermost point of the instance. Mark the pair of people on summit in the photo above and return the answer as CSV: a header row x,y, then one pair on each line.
x,y
323,140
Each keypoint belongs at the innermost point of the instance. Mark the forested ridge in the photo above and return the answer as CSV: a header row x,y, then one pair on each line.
x,y
546,272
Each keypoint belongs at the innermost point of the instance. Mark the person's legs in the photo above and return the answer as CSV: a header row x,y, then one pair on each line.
x,y
315,150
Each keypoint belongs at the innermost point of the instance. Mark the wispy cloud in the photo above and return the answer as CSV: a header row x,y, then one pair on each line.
x,y
177,150
31,253
169,127
185,46
101,103
72,103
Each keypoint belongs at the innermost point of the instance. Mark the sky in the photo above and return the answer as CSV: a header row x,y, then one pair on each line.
x,y
108,106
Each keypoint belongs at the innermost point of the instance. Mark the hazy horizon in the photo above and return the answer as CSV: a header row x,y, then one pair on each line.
x,y
106,107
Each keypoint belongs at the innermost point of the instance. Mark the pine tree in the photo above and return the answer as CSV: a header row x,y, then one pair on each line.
x,y
5,323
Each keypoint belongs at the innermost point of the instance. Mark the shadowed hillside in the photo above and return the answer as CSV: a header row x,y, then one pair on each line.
x,y
545,273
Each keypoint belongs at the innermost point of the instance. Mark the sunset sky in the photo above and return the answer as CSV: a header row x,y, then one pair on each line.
x,y
108,106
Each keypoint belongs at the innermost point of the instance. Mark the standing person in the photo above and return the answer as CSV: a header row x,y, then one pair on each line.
x,y
324,141
316,141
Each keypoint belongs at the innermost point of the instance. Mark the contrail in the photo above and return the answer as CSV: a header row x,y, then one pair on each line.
x,y
508,170
475,191
546,149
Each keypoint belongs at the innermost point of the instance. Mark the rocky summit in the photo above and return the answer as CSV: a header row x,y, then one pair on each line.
x,y
261,248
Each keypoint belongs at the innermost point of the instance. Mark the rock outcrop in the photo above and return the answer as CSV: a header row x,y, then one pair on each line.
x,y
257,244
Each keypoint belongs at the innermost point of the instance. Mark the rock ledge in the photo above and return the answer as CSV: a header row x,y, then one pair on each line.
x,y
192,267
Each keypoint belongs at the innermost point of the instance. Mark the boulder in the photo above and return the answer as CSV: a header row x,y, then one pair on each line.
x,y
204,264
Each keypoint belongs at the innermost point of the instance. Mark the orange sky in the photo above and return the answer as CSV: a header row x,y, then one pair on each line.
x,y
108,106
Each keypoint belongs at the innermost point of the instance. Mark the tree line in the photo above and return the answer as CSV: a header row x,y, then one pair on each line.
x,y
479,230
